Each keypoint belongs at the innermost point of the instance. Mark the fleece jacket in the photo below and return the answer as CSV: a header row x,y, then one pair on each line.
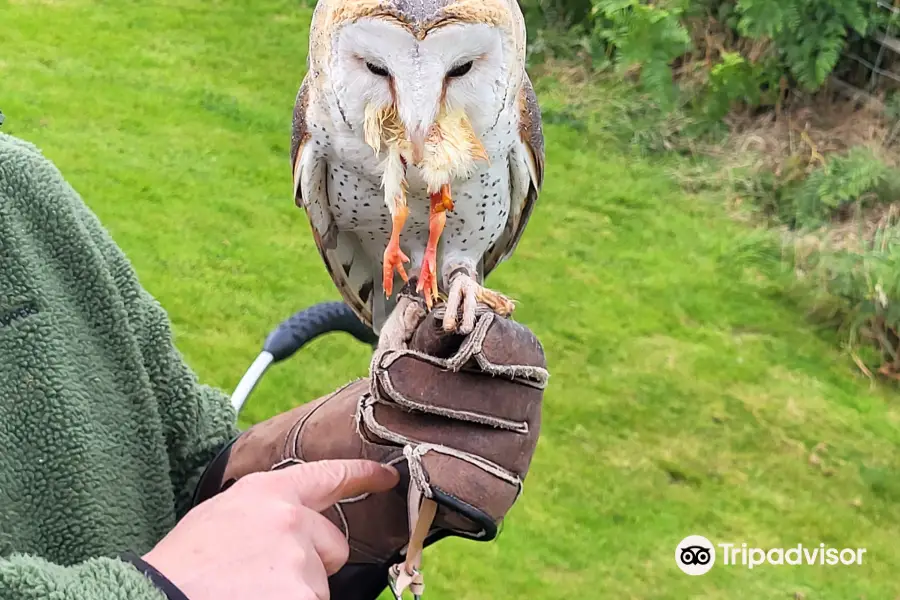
x,y
104,430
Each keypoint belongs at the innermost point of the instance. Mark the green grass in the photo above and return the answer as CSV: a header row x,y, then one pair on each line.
x,y
687,391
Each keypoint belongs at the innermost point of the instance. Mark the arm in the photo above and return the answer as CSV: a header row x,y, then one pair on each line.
x,y
32,578
101,347
199,419
59,248
103,430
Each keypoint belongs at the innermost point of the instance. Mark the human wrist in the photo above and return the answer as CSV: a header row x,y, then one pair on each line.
x,y
157,578
212,480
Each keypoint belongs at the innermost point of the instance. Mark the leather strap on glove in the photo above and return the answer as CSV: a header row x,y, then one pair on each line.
x,y
458,416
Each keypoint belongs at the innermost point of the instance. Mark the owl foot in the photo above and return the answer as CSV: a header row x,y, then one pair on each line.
x,y
393,259
466,291
497,302
393,256
428,278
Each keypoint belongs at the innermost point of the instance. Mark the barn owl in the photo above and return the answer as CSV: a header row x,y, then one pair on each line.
x,y
417,149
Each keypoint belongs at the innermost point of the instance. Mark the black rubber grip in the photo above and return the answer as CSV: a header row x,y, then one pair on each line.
x,y
309,323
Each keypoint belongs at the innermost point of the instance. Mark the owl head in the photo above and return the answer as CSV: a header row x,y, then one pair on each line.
x,y
419,58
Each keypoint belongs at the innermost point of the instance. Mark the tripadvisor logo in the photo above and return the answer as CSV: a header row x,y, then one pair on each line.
x,y
696,555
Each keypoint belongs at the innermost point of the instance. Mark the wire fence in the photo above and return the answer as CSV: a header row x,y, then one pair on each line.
x,y
882,51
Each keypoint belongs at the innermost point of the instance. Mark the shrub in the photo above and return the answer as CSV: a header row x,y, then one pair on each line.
x,y
559,28
866,283
842,217
645,37
839,188
763,44
852,179
698,61
808,35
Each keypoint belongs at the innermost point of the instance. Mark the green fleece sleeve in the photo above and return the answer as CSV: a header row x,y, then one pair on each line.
x,y
30,578
104,429
198,418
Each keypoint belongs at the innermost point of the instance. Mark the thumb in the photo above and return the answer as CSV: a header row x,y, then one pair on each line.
x,y
320,484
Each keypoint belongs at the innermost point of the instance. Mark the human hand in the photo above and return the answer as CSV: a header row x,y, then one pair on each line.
x,y
266,538
458,415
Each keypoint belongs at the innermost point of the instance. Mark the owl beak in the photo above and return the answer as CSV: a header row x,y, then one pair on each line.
x,y
417,140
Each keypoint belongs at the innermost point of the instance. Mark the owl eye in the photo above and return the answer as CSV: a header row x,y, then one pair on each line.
x,y
460,70
380,71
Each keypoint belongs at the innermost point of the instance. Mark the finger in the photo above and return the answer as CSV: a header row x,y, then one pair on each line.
x,y
315,576
320,484
329,541
314,581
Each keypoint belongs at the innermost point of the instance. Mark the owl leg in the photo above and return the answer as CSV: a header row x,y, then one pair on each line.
x,y
393,256
394,182
440,203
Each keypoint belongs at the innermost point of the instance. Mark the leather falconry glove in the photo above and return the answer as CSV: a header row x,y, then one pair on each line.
x,y
458,417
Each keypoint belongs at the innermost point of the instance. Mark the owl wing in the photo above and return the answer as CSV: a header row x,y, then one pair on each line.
x,y
526,170
347,263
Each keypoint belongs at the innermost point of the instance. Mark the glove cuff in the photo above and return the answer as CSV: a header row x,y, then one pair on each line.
x,y
212,480
162,583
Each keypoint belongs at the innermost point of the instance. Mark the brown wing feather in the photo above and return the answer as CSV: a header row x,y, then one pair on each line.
x,y
340,251
532,137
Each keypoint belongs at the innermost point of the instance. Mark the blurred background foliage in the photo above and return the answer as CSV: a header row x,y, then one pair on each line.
x,y
733,51
792,105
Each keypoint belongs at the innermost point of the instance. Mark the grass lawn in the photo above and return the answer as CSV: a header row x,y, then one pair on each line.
x,y
688,394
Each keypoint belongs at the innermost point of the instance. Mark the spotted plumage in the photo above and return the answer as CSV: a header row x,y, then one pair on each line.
x,y
432,62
